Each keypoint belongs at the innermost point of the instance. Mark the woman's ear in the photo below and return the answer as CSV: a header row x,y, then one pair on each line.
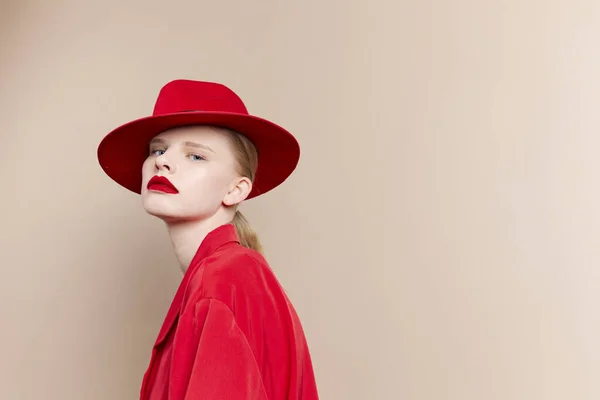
x,y
238,192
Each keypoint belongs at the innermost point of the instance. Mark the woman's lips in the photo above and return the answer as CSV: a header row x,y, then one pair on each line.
x,y
161,184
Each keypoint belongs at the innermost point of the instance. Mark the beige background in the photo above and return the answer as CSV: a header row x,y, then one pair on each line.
x,y
440,238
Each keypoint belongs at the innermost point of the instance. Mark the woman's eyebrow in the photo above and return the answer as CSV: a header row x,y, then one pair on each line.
x,y
202,146
156,141
187,143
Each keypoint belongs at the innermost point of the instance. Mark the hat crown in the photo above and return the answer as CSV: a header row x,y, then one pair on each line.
x,y
183,95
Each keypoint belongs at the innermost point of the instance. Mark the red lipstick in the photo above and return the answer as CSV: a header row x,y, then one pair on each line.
x,y
161,184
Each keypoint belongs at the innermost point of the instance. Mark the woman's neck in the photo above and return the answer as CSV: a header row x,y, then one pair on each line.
x,y
186,237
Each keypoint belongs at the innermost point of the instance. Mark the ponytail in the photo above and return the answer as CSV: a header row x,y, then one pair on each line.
x,y
246,156
248,238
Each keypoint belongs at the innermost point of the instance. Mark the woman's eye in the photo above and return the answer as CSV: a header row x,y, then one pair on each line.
x,y
159,152
196,157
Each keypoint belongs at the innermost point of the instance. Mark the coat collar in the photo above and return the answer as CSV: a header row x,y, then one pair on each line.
x,y
217,238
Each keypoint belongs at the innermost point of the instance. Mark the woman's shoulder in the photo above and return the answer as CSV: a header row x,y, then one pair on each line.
x,y
238,273
236,263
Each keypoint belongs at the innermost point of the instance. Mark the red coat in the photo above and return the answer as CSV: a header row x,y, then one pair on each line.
x,y
231,332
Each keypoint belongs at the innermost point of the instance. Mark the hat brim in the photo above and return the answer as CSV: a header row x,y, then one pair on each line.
x,y
123,151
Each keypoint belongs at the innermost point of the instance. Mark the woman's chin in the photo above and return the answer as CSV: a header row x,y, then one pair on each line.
x,y
172,211
165,216
160,210
168,215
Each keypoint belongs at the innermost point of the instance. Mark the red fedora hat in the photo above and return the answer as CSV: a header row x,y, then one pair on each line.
x,y
186,102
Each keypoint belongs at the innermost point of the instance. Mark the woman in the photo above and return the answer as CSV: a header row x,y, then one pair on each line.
x,y
231,333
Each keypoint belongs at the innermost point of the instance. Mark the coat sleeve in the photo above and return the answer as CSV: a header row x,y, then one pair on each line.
x,y
224,365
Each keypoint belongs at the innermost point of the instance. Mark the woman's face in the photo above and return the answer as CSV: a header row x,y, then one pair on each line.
x,y
200,167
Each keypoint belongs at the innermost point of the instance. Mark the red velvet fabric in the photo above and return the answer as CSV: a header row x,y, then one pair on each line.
x,y
231,332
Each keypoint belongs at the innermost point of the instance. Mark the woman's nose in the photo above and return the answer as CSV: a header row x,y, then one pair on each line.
x,y
163,163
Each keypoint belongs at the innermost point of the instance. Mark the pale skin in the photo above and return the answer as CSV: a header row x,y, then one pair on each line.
x,y
200,163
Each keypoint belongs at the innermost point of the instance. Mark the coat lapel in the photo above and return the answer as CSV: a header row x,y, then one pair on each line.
x,y
215,239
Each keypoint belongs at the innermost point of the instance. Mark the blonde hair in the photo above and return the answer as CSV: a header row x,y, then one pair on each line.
x,y
246,156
